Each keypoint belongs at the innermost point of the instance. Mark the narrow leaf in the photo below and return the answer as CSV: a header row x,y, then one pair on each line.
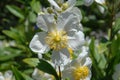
x,y
46,67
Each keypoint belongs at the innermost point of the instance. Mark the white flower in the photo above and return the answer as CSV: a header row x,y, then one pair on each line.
x,y
6,76
100,1
88,2
79,68
58,36
64,6
116,75
39,75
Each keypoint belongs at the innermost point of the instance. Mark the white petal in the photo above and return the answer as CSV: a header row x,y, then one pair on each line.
x,y
68,73
1,76
77,13
100,1
88,62
8,75
39,55
71,3
53,3
37,74
45,22
60,57
88,2
67,21
89,76
76,40
37,44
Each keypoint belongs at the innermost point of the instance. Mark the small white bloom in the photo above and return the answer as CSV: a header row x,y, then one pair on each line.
x,y
62,6
116,75
39,75
79,68
101,8
6,76
58,36
88,2
100,1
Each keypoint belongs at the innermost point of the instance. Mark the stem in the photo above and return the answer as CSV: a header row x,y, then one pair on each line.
x,y
59,72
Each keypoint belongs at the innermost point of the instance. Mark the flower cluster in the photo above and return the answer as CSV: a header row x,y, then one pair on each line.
x,y
63,37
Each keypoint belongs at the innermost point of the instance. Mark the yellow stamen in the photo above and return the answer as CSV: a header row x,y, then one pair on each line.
x,y
71,52
56,39
81,73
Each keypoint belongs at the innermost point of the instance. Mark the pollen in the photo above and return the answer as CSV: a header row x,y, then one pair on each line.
x,y
71,52
57,39
81,73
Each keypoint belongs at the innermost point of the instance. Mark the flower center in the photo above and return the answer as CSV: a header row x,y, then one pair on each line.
x,y
57,39
81,73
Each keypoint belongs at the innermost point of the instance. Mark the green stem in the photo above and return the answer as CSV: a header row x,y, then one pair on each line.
x,y
59,73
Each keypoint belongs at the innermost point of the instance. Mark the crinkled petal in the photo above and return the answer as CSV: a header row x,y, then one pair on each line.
x,y
60,57
76,40
68,73
37,44
77,13
53,3
71,2
67,21
45,22
88,62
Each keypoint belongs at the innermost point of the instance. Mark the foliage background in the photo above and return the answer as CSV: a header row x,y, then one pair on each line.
x,y
18,25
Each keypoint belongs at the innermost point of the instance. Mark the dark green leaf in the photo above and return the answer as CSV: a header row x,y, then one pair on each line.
x,y
46,67
19,75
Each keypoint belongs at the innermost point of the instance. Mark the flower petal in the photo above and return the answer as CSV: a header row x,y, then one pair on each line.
x,y
1,76
88,2
67,21
53,3
60,57
88,62
68,73
76,40
77,13
8,75
45,22
37,44
71,2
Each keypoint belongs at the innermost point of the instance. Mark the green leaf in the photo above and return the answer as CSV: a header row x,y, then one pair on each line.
x,y
32,17
35,6
116,27
31,61
46,67
8,53
79,2
15,34
19,75
15,10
